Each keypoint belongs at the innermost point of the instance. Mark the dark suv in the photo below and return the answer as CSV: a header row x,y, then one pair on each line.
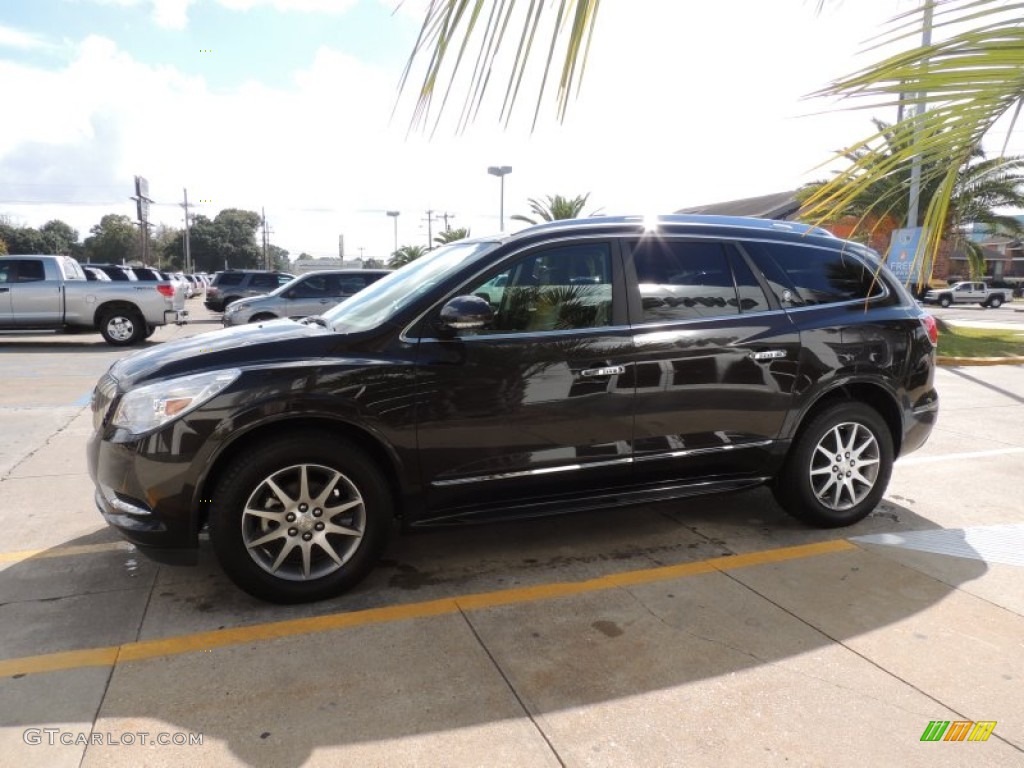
x,y
235,284
573,365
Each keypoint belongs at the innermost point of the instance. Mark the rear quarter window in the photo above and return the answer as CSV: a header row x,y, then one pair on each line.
x,y
228,278
802,275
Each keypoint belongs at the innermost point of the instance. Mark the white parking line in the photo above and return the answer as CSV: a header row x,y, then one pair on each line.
x,y
957,456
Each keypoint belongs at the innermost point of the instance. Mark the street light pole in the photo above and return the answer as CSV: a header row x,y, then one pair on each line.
x,y
501,171
394,215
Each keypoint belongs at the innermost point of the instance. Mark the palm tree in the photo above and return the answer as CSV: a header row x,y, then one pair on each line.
x,y
983,187
554,208
451,235
968,82
405,254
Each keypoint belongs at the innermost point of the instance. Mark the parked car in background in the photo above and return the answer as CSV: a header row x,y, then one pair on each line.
x,y
93,274
310,294
627,360
53,293
969,293
116,272
153,275
232,285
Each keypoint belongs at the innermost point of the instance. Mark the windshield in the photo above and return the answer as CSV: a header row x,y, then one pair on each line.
x,y
392,293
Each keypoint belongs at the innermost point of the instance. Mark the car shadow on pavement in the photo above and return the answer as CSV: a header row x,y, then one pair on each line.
x,y
500,664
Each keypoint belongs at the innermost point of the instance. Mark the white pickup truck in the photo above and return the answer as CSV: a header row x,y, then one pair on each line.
x,y
968,293
52,293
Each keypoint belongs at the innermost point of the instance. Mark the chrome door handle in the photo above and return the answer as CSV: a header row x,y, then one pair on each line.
x,y
609,371
768,354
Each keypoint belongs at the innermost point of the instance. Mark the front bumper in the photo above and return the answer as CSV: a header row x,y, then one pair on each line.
x,y
147,497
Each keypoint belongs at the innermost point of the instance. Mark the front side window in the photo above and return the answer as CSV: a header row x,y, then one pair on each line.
x,y
311,288
563,288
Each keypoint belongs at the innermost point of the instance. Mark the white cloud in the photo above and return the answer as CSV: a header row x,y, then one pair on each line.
x,y
16,38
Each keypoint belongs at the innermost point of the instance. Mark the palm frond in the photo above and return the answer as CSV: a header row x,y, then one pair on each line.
x,y
452,29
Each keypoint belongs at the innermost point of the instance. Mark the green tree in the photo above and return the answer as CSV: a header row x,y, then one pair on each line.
x,y
59,236
20,240
114,239
406,254
554,208
278,257
227,240
3,247
451,235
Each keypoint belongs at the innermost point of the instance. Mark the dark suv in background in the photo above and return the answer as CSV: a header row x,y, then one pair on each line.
x,y
573,365
236,284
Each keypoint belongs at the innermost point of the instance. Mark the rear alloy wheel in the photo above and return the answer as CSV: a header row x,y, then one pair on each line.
x,y
838,468
300,519
122,328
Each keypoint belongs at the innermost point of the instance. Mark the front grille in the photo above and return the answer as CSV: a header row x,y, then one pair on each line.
x,y
102,397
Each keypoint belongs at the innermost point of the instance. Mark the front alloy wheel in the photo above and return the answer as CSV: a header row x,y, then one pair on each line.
x,y
838,466
303,522
299,518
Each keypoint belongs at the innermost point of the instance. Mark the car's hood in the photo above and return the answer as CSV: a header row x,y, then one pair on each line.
x,y
241,345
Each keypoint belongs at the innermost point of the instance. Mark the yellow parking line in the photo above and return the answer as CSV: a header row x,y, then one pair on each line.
x,y
80,549
221,638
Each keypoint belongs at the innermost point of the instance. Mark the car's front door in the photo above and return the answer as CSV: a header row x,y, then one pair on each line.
x,y
535,403
309,297
715,362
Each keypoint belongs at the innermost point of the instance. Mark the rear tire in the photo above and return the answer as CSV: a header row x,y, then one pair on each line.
x,y
122,328
995,302
300,518
838,467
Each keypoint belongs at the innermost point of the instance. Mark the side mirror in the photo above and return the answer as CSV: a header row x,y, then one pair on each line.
x,y
465,313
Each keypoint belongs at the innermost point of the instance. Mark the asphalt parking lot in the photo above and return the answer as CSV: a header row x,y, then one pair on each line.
x,y
714,631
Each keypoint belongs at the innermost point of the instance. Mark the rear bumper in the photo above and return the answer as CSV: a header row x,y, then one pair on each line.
x,y
177,316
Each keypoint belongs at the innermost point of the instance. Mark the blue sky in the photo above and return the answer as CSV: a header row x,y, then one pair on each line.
x,y
291,109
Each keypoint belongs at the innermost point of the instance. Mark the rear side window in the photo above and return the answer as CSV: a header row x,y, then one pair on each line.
x,y
30,271
687,280
228,278
817,275
264,281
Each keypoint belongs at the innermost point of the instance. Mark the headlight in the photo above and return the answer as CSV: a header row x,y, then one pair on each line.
x,y
149,407
233,308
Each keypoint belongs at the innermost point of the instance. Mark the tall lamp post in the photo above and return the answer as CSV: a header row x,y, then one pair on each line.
x,y
501,171
394,215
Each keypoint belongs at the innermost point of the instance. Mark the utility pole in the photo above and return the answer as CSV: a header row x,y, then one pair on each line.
x,y
919,110
394,215
447,216
266,260
430,229
188,249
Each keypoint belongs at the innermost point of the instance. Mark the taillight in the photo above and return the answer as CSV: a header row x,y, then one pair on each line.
x,y
166,290
931,328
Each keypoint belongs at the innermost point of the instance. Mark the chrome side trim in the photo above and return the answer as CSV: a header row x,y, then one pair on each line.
x,y
597,464
702,451
531,472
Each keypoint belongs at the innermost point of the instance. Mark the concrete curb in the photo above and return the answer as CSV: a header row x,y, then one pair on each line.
x,y
948,360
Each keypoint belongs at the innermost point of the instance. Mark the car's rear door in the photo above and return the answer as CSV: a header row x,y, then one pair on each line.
x,y
715,360
534,405
36,298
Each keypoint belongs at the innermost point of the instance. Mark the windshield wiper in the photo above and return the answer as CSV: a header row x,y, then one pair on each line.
x,y
314,320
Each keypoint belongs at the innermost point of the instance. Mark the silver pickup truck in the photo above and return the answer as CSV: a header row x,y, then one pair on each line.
x,y
52,293
968,293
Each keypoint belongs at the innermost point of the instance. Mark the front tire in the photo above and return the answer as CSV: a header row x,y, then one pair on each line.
x,y
945,301
122,328
838,467
301,518
262,317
